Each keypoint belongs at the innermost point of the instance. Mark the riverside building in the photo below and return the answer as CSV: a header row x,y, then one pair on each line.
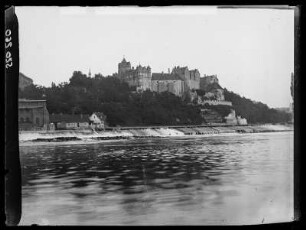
x,y
32,114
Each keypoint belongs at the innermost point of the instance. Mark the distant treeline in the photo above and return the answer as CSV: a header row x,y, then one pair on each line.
x,y
255,112
116,100
124,107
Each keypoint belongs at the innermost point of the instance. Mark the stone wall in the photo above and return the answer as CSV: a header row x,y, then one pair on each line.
x,y
207,80
214,102
184,74
173,86
191,78
194,79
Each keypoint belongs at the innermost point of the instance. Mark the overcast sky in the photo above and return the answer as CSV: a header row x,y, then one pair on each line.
x,y
251,50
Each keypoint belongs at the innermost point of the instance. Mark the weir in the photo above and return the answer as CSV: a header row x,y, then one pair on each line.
x,y
224,130
171,126
145,132
206,130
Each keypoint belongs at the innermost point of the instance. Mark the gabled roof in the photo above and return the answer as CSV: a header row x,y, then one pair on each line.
x,y
69,118
165,76
101,115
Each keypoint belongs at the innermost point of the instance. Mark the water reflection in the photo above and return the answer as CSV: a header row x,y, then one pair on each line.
x,y
158,181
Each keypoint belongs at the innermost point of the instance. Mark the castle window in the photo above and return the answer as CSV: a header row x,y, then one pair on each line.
x,y
21,120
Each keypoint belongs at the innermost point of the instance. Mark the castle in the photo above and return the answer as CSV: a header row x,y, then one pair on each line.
x,y
179,81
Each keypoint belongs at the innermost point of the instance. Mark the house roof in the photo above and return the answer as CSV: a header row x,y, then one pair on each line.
x,y
101,115
165,76
31,104
69,118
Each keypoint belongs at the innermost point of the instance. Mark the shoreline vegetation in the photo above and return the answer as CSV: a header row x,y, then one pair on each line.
x,y
123,106
147,132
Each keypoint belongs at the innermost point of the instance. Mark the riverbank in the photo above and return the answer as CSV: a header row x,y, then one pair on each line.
x,y
145,132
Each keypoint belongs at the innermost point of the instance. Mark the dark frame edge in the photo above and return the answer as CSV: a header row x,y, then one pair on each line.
x,y
12,162
297,103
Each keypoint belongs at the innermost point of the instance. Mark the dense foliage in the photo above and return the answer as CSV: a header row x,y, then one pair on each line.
x,y
223,110
124,107
116,100
255,112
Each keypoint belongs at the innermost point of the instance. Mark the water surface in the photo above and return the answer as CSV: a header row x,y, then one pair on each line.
x,y
239,179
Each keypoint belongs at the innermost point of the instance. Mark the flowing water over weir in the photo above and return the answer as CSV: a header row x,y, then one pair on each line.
x,y
174,180
130,133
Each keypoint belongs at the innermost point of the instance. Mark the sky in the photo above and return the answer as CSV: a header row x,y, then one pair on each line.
x,y
250,50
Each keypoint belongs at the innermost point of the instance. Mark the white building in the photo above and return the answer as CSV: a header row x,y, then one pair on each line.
x,y
97,120
241,121
231,118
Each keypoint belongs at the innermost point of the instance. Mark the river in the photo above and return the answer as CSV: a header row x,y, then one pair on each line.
x,y
229,179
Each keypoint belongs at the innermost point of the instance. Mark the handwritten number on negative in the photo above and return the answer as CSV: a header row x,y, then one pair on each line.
x,y
8,44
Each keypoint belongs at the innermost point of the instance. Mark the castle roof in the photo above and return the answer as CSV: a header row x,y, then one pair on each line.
x,y
194,70
205,77
142,67
165,76
124,62
181,68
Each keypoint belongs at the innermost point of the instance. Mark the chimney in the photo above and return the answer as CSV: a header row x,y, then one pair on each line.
x,y
168,70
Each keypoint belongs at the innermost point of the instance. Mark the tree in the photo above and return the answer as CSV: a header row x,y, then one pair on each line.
x,y
255,112
124,107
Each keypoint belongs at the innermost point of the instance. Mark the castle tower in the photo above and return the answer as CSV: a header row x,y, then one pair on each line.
x,y
123,67
184,74
194,79
144,76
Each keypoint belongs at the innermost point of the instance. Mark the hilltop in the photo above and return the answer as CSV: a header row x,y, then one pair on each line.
x,y
125,107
